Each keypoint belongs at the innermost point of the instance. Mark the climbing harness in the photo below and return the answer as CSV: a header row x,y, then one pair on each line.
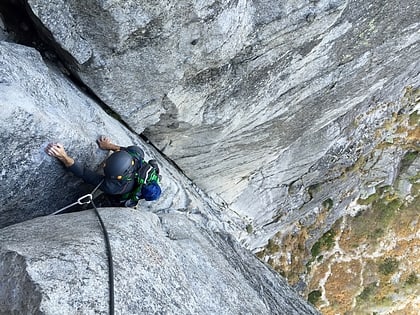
x,y
86,199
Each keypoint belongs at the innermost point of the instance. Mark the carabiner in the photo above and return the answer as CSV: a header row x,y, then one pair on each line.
x,y
81,202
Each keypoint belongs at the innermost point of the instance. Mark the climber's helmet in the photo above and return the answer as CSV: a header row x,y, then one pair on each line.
x,y
119,165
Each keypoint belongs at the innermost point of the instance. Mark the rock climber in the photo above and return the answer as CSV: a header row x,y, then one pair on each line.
x,y
127,176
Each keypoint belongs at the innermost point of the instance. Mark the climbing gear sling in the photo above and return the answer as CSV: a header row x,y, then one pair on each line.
x,y
147,173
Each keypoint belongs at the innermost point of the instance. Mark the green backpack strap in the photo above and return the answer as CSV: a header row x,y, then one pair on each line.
x,y
146,174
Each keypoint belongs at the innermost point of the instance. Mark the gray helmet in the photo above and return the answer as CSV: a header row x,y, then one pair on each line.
x,y
118,165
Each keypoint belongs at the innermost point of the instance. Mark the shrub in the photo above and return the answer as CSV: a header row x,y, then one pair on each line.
x,y
328,204
272,247
314,296
412,279
367,292
324,243
408,159
249,228
388,266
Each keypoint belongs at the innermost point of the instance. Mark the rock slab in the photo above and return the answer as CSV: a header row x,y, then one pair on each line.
x,y
166,265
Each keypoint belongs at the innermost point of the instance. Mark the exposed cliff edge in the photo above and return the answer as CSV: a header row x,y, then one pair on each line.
x,y
183,263
166,265
282,119
250,98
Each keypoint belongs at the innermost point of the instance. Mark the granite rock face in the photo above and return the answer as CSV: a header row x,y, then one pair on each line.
x,y
40,105
58,265
277,113
246,97
182,263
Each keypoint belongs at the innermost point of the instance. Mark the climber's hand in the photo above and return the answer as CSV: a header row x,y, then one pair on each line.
x,y
105,144
57,150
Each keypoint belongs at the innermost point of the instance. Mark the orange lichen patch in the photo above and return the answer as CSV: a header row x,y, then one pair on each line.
x,y
348,242
318,272
413,135
290,263
367,263
407,248
351,239
342,285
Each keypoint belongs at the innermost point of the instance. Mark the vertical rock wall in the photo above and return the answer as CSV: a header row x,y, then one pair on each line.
x,y
40,105
246,97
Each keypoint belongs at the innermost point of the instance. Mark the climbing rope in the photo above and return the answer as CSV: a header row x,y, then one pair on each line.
x,y
110,262
86,199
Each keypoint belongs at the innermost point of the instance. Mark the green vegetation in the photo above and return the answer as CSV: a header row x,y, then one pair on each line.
x,y
377,233
260,254
414,119
324,243
328,204
389,209
314,296
388,266
408,159
368,292
412,279
415,181
249,228
369,200
272,247
372,223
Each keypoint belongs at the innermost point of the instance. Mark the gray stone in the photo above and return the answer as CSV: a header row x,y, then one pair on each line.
x,y
39,105
58,265
245,97
3,33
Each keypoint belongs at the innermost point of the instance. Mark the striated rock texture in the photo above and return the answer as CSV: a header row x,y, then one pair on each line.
x,y
367,261
247,97
58,265
38,105
281,112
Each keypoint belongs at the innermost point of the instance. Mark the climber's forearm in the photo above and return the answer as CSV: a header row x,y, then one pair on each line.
x,y
67,160
113,147
57,150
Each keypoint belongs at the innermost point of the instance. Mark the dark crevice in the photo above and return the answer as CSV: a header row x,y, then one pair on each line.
x,y
20,28
24,28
